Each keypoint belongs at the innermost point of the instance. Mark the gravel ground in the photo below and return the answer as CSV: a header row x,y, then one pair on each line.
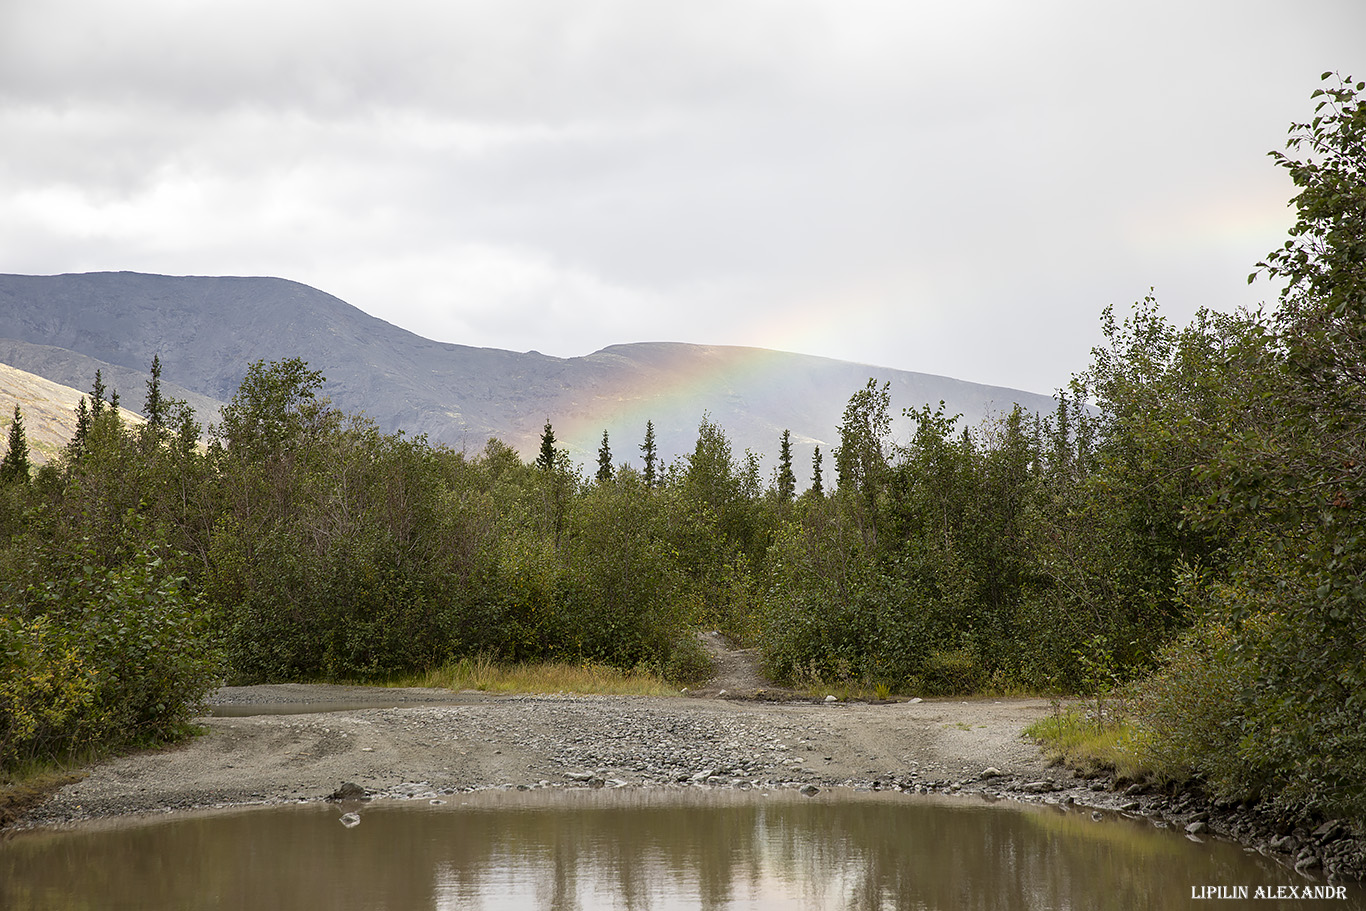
x,y
424,747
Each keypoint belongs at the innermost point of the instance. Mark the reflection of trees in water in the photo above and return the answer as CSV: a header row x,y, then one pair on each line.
x,y
619,852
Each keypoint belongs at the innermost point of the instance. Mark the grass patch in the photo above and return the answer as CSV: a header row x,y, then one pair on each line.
x,y
488,676
30,784
1092,741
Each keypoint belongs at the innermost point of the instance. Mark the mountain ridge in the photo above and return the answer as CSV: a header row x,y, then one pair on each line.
x,y
208,329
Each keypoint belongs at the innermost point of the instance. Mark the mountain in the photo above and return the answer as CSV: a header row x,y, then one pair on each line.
x,y
206,331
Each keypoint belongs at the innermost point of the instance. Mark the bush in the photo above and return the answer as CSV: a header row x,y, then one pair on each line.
x,y
100,657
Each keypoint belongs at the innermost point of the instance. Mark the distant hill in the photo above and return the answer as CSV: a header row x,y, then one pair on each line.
x,y
206,331
48,410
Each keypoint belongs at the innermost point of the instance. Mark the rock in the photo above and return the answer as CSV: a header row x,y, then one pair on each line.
x,y
1331,830
1129,806
990,772
831,699
1287,844
1037,787
1306,863
917,700
809,790
1196,828
350,820
349,790
704,775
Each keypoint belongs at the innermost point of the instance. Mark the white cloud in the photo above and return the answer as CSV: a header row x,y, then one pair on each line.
x,y
955,188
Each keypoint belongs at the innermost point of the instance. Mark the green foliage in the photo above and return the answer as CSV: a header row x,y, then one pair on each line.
x,y
98,657
1275,667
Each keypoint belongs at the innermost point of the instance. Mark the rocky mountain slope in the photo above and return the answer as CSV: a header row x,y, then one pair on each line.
x,y
206,331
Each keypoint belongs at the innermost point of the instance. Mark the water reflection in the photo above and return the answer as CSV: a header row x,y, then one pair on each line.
x,y
629,850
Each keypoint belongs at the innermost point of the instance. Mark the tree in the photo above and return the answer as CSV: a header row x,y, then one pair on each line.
x,y
816,483
15,467
154,409
861,458
787,481
273,406
604,461
1265,696
97,395
647,449
83,419
546,459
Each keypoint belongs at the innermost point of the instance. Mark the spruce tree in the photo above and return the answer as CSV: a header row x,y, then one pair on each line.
x,y
816,487
155,407
83,419
647,449
787,481
546,460
15,467
97,395
604,461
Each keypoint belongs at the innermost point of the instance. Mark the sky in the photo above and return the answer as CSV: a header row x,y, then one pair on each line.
x,y
955,188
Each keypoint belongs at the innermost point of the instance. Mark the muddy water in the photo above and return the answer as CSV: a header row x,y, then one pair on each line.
x,y
635,850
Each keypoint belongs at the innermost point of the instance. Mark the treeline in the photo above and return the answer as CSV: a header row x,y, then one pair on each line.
x,y
1188,521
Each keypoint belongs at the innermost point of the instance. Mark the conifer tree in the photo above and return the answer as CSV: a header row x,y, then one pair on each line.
x,y
604,461
546,460
787,481
15,467
83,419
648,450
97,395
155,407
816,487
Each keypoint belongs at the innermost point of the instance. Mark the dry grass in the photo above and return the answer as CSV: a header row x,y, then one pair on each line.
x,y
486,675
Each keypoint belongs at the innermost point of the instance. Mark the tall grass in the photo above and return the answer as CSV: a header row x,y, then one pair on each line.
x,y
486,675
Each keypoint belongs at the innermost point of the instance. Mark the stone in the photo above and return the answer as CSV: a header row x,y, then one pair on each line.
x,y
1196,828
1331,830
349,790
809,790
831,699
350,820
990,772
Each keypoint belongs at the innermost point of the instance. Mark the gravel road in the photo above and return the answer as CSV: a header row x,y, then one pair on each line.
x,y
426,746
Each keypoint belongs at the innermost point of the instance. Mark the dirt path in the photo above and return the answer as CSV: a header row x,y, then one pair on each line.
x,y
419,743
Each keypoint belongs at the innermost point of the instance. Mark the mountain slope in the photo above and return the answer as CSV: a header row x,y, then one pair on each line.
x,y
48,410
206,331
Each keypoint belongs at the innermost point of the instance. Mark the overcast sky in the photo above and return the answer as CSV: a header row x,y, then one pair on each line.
x,y
950,187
